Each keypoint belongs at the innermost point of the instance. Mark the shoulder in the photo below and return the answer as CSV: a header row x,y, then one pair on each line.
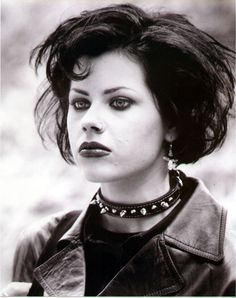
x,y
200,236
31,243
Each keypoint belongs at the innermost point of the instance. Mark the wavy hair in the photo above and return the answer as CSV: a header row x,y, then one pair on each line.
x,y
187,70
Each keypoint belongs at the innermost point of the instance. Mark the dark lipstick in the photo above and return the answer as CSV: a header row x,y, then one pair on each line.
x,y
93,149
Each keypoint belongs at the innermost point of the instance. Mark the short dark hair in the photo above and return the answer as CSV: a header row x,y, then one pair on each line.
x,y
187,70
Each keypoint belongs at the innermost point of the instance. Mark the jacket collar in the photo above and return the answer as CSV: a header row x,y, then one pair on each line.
x,y
200,226
198,229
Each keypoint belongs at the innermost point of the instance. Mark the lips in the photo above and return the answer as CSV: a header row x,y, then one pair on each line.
x,y
93,149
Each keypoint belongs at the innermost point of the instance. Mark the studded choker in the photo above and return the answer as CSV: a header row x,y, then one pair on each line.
x,y
144,209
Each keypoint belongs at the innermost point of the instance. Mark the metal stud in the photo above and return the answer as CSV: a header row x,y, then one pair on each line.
x,y
164,204
106,208
93,202
180,181
122,213
170,199
133,211
154,207
103,210
101,205
143,211
113,210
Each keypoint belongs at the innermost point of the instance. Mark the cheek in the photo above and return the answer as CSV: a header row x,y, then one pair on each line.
x,y
148,128
142,134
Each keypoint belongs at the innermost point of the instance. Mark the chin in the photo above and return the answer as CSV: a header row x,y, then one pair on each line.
x,y
96,178
102,176
98,171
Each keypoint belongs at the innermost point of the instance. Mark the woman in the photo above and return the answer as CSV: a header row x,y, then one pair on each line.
x,y
131,96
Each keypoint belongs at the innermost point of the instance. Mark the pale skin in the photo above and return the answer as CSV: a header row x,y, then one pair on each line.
x,y
115,99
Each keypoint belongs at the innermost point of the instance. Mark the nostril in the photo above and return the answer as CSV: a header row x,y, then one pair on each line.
x,y
97,129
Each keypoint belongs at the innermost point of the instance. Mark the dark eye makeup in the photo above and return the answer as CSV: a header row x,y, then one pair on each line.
x,y
80,104
116,103
121,103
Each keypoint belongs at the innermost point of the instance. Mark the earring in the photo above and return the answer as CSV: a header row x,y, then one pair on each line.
x,y
172,163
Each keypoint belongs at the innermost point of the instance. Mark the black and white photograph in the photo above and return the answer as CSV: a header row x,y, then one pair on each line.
x,y
117,156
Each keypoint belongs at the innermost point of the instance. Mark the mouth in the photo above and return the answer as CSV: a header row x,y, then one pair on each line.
x,y
93,149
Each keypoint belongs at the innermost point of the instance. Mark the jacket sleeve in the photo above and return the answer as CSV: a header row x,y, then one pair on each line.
x,y
30,245
229,269
223,274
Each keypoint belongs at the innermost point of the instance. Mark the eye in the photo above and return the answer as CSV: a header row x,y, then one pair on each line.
x,y
80,104
121,103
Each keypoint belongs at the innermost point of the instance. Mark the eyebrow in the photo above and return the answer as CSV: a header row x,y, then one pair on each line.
x,y
107,91
83,92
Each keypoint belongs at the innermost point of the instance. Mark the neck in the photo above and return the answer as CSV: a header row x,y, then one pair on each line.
x,y
138,189
134,190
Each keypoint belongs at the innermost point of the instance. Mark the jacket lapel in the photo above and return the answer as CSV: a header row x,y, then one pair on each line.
x,y
155,273
64,273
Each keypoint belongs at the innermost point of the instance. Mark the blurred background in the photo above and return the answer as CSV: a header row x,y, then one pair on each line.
x,y
35,181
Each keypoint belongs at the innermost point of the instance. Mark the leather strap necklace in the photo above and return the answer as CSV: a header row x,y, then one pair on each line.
x,y
143,209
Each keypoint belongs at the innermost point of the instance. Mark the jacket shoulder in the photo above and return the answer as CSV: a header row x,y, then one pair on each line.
x,y
201,237
30,245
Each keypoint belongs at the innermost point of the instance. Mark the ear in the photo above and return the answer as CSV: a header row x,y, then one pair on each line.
x,y
171,134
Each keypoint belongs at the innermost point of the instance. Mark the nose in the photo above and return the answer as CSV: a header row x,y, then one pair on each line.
x,y
92,123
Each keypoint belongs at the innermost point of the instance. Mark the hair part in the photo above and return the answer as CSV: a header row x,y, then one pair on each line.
x,y
187,70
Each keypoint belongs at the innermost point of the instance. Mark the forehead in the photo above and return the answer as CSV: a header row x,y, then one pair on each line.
x,y
111,68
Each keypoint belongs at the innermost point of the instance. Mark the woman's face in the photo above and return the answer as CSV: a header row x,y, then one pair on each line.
x,y
114,108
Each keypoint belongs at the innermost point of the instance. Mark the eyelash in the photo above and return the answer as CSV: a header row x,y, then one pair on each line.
x,y
123,100
77,101
117,103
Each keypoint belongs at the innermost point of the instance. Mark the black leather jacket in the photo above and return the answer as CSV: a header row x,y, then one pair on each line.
x,y
192,257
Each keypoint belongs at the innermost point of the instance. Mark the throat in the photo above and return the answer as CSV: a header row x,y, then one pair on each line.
x,y
133,192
